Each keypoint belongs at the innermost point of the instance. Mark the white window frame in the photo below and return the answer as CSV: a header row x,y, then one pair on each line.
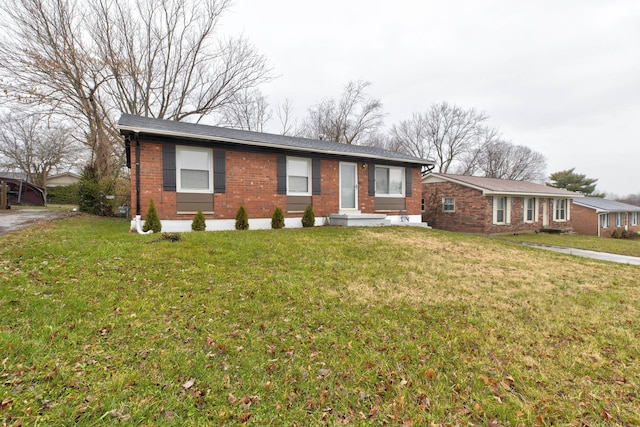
x,y
534,210
445,204
308,163
604,220
557,209
619,219
402,178
634,218
180,160
506,217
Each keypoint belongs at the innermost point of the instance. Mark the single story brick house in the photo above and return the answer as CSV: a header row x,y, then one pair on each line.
x,y
596,216
186,167
474,204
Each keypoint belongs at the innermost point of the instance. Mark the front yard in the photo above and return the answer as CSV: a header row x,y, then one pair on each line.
x,y
397,326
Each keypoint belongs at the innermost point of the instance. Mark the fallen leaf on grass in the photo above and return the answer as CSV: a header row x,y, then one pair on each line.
x,y
189,383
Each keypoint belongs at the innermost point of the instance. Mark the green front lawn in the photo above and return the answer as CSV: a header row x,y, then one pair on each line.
x,y
369,326
629,247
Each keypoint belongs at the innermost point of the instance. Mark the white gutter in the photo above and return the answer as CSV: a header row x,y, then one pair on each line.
x,y
271,145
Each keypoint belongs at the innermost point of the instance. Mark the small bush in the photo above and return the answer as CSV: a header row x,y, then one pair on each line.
x,y
625,234
198,223
151,221
277,219
615,234
242,219
309,218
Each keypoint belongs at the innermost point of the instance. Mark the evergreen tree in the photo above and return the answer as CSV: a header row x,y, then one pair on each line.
x,y
198,223
242,219
572,181
309,218
152,222
277,219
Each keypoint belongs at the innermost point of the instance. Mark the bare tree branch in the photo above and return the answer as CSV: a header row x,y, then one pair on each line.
x,y
352,119
249,111
35,146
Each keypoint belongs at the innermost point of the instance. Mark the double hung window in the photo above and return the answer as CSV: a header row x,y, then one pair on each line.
x,y
298,176
194,169
448,204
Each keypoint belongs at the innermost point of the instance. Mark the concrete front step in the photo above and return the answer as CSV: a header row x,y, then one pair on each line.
x,y
353,220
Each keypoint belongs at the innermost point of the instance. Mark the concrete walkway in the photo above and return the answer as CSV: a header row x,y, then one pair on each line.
x,y
622,259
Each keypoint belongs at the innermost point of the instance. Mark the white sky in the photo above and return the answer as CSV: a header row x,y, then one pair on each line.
x,y
561,77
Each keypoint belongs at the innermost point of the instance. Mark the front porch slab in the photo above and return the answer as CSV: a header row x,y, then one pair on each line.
x,y
355,220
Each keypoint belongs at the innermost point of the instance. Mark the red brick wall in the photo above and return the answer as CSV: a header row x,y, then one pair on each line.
x,y
586,221
251,181
474,211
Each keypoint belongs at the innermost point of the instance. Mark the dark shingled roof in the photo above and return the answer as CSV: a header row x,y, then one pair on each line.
x,y
506,186
132,123
604,205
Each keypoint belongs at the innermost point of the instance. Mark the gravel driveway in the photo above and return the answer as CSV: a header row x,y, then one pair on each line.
x,y
17,219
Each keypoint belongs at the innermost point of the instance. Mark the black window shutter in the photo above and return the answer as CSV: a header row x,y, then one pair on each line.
x,y
169,167
282,175
315,176
372,179
219,172
407,182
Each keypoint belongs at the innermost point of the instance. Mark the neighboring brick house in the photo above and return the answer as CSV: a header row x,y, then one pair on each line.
x,y
596,216
474,204
187,167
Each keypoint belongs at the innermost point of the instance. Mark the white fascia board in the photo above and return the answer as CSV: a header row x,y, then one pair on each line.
x,y
523,194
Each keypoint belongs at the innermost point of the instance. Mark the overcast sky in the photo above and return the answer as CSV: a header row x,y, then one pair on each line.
x,y
561,77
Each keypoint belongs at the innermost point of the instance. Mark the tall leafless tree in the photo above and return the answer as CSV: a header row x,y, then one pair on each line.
x,y
284,113
165,59
352,119
412,136
453,131
249,111
501,159
444,132
47,60
34,145
88,60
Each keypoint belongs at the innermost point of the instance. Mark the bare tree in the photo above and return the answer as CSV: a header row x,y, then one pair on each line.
x,y
45,60
249,111
631,199
91,59
412,136
497,158
284,112
164,58
453,131
352,119
445,132
35,146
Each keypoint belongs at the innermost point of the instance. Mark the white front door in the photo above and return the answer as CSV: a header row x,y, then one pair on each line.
x,y
348,186
545,212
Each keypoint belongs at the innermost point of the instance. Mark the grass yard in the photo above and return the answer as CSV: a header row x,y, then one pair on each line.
x,y
365,326
629,247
